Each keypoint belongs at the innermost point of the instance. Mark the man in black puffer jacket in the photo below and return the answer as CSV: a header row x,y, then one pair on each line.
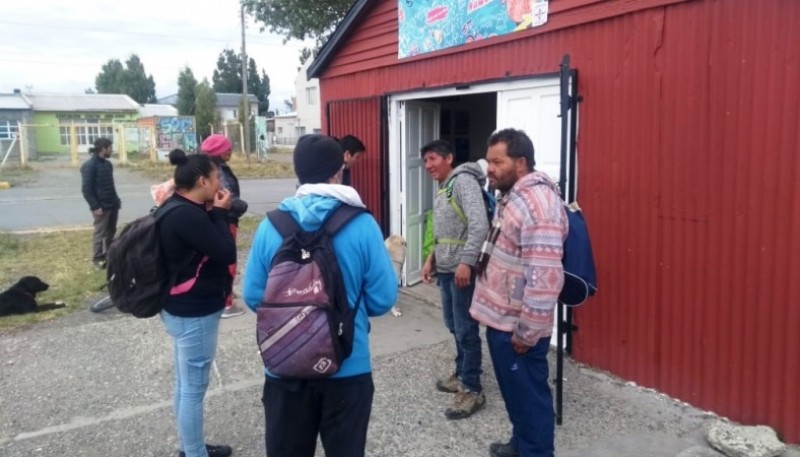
x,y
101,195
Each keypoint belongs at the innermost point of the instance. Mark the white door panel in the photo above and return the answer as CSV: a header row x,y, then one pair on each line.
x,y
536,111
421,126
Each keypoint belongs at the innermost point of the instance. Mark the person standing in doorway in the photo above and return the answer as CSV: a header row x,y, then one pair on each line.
x,y
97,176
460,225
220,149
520,277
353,149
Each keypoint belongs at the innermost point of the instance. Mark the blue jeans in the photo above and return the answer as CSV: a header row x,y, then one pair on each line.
x,y
455,307
526,393
195,341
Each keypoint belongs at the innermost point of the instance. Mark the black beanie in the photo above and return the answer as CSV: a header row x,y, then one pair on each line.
x,y
317,158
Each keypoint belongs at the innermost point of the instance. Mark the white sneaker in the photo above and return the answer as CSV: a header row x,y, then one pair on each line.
x,y
233,311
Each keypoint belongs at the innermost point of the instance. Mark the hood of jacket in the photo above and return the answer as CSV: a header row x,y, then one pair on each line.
x,y
313,203
470,168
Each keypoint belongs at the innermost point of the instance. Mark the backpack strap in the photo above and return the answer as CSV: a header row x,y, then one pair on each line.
x,y
160,211
284,223
448,190
341,216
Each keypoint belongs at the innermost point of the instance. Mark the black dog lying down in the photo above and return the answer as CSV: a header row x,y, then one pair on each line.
x,y
21,297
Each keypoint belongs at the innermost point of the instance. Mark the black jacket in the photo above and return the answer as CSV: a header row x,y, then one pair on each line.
x,y
98,184
230,182
188,233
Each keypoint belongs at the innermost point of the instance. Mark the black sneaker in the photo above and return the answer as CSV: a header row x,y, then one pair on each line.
x,y
502,450
214,451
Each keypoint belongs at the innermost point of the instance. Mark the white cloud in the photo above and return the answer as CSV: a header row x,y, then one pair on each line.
x,y
59,45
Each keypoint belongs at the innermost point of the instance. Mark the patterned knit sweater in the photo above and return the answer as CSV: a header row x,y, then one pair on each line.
x,y
524,275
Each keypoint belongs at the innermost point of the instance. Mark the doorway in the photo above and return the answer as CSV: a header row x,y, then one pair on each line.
x,y
466,117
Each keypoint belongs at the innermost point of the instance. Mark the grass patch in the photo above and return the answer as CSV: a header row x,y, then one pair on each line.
x,y
18,174
254,169
61,259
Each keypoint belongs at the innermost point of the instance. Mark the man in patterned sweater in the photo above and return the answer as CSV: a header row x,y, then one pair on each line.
x,y
517,289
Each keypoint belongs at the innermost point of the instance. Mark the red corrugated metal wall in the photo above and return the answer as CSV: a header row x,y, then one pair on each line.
x,y
362,118
688,149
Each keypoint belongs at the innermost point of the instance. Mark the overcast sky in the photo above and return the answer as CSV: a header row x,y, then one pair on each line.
x,y
60,45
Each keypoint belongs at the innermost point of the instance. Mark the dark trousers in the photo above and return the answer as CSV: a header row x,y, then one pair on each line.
x,y
455,309
337,410
105,227
523,382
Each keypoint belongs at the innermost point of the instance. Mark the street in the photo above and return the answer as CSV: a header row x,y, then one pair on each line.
x,y
54,199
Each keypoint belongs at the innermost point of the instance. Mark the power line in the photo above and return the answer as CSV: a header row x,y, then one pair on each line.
x,y
162,35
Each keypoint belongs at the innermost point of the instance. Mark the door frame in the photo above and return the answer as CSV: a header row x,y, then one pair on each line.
x,y
397,173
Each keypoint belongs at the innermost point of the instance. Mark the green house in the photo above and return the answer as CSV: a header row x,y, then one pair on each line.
x,y
91,115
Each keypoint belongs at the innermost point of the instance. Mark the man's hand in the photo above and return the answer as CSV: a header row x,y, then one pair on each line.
x,y
223,199
427,270
519,347
463,275
97,213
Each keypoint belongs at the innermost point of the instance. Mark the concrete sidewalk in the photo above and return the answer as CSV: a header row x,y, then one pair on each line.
x,y
101,385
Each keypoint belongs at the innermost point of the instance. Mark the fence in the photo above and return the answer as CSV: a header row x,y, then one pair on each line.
x,y
147,139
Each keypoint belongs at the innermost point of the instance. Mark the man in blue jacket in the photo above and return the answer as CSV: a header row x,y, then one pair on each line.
x,y
336,408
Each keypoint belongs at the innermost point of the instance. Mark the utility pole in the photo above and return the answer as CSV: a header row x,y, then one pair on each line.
x,y
245,100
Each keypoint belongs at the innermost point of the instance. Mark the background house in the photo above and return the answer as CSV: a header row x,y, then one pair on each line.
x,y
15,109
307,106
228,106
92,115
286,129
686,166
153,109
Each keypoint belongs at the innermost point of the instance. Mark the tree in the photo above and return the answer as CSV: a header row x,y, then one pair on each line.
x,y
290,104
227,78
187,87
131,80
300,19
89,90
205,112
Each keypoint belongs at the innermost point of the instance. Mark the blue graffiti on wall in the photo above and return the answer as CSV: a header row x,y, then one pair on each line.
x,y
177,132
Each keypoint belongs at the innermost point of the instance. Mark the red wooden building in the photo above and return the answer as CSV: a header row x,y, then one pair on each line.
x,y
688,147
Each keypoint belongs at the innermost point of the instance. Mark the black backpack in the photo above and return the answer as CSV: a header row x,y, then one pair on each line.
x,y
138,278
304,324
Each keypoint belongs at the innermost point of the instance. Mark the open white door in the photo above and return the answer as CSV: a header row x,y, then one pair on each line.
x,y
421,122
536,111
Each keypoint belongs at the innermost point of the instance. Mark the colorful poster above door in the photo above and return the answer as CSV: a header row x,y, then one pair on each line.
x,y
430,25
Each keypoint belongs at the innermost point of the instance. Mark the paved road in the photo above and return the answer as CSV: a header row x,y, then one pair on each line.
x,y
54,200
101,385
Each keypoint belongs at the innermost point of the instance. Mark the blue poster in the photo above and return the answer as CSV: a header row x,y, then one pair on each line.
x,y
430,25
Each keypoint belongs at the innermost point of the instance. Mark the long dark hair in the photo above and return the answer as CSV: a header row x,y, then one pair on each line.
x,y
100,144
188,169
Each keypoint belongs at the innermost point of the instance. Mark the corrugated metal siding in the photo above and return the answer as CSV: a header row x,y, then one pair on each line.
x,y
362,118
688,146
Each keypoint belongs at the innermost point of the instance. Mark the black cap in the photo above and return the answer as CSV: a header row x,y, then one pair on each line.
x,y
317,158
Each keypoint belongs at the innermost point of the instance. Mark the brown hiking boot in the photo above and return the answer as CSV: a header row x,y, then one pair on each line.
x,y
465,404
450,385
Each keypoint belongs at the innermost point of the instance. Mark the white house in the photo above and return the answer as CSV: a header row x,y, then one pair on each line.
x,y
307,105
228,106
152,109
286,129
